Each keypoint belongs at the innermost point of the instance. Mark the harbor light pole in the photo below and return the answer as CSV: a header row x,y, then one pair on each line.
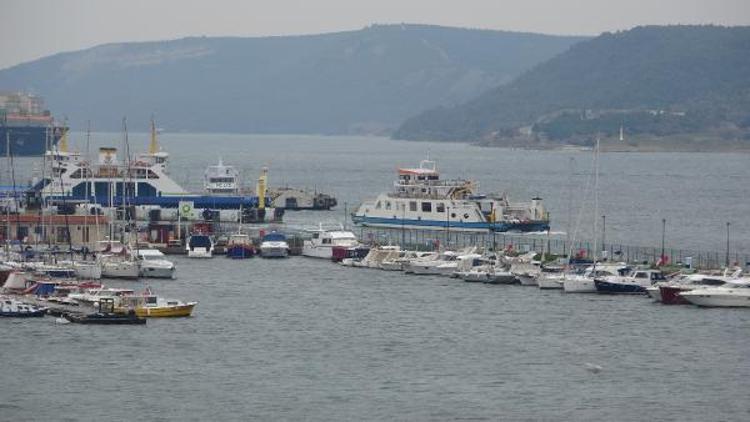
x,y
604,231
727,260
663,236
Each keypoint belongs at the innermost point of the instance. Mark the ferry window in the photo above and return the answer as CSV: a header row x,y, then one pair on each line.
x,y
79,190
426,206
326,241
453,215
377,206
432,178
145,189
413,206
440,207
387,205
151,175
76,174
316,235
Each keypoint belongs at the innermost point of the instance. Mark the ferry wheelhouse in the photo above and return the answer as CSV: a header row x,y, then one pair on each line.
x,y
421,200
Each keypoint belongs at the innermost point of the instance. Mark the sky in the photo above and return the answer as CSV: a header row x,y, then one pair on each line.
x,y
30,29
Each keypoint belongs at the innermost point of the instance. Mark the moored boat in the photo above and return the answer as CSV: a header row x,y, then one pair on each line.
x,y
323,242
635,283
734,294
199,245
240,246
274,245
16,309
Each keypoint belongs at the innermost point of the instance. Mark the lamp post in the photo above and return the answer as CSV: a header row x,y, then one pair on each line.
x,y
663,236
727,260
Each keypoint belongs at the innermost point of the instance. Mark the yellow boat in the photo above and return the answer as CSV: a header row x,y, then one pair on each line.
x,y
157,307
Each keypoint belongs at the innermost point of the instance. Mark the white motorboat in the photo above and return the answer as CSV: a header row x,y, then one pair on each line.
x,y
13,308
526,272
735,293
274,245
584,283
429,267
668,293
397,263
634,283
200,245
324,241
88,270
118,266
550,281
155,265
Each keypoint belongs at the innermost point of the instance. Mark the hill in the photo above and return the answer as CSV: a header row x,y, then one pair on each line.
x,y
652,81
365,81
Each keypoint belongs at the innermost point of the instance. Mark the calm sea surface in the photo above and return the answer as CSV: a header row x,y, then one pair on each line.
x,y
306,339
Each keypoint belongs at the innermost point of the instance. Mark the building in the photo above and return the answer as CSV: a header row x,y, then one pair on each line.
x,y
85,230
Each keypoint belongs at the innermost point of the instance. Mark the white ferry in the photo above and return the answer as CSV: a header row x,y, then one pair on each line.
x,y
221,180
421,200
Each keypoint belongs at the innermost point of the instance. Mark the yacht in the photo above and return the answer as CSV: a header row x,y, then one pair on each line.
x,y
670,293
118,261
584,283
155,265
421,200
221,180
634,283
324,242
199,245
274,245
735,293
16,309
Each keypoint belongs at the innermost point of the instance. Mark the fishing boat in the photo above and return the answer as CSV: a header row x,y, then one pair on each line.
x,y
16,309
199,245
239,246
105,315
149,305
324,241
154,264
274,245
421,200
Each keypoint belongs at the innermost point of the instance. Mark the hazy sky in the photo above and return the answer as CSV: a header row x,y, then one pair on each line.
x,y
34,28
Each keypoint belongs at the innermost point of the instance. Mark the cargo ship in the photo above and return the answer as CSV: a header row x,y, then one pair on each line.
x,y
26,126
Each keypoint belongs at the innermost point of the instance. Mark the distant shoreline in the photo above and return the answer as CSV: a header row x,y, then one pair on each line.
x,y
691,144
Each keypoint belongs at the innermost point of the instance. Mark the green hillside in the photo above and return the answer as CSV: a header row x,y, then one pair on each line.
x,y
651,81
365,81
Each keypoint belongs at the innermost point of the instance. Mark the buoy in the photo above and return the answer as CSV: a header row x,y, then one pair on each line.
x,y
594,369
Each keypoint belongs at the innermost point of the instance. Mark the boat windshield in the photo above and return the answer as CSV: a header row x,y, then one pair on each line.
x,y
274,237
200,241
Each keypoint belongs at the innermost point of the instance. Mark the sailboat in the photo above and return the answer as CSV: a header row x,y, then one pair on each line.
x,y
584,283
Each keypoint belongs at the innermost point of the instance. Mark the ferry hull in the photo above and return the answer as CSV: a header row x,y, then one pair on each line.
x,y
398,223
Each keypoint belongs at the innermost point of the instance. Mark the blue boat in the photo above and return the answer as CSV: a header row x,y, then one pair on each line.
x,y
635,283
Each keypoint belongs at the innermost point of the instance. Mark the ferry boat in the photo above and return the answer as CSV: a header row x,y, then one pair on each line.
x,y
421,200
221,180
142,182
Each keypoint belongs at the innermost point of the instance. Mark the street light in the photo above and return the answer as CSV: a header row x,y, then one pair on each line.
x,y
727,243
663,236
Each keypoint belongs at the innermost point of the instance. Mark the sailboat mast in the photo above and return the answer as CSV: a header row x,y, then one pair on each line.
x,y
596,201
7,207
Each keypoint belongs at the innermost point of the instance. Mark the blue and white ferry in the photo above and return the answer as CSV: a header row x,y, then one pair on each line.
x,y
142,182
420,200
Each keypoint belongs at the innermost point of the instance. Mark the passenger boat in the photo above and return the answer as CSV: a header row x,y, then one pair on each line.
x,y
421,200
733,294
154,264
221,180
199,245
239,246
274,245
323,242
17,309
634,283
